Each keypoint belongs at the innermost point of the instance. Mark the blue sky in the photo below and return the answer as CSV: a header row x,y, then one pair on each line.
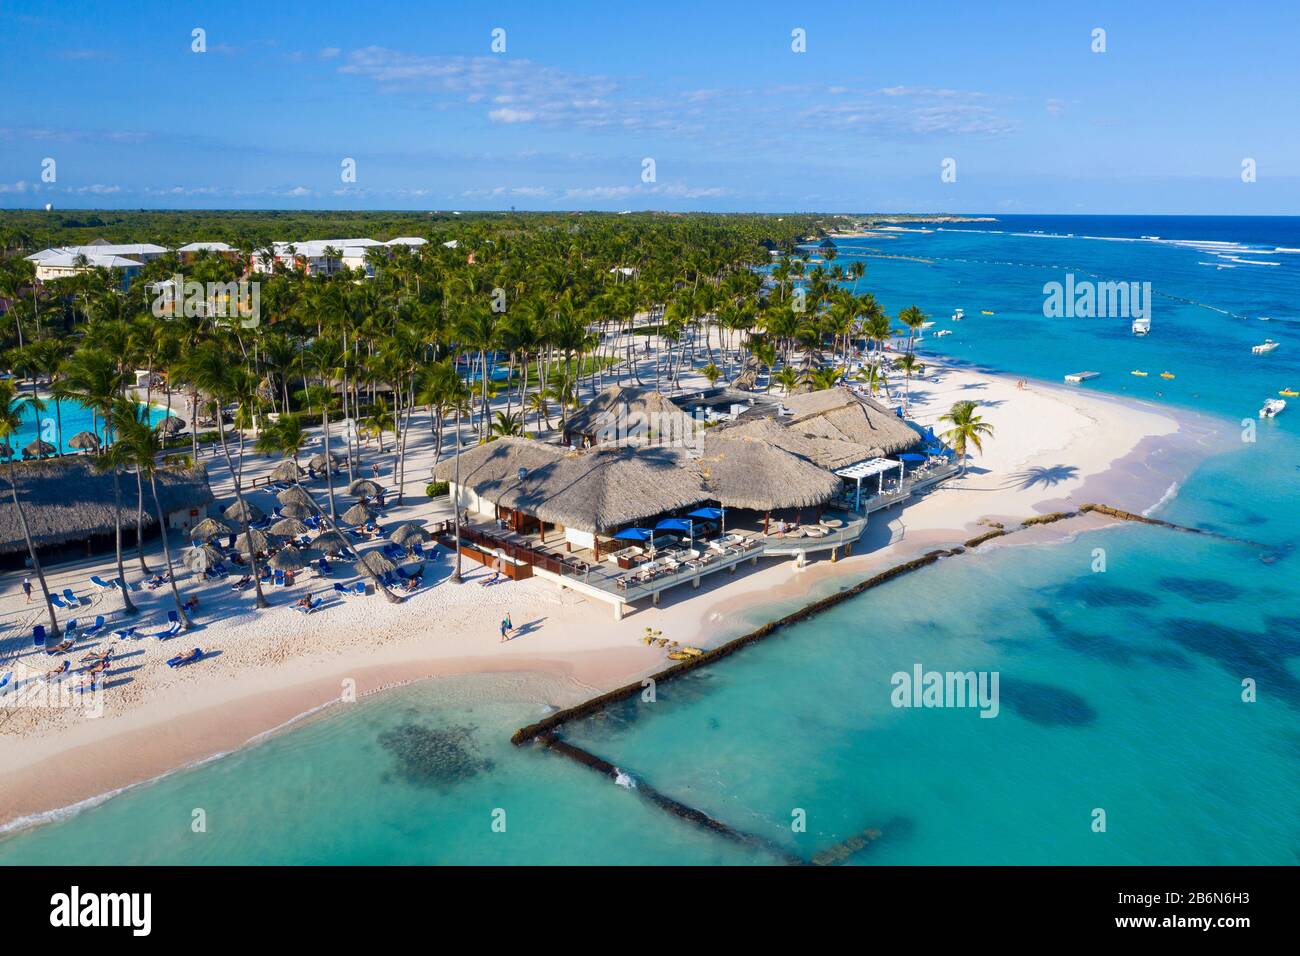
x,y
733,118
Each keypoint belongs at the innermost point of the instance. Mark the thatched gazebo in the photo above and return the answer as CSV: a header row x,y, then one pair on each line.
x,y
838,413
295,496
318,460
331,542
39,449
405,535
171,425
365,488
294,511
357,514
209,528
243,511
289,527
827,452
377,564
287,559
287,470
748,472
85,441
259,541
201,558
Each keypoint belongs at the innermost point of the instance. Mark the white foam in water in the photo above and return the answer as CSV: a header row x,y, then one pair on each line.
x,y
624,780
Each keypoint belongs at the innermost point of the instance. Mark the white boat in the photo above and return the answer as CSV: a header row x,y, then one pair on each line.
x,y
958,315
927,325
942,332
1141,326
1265,347
1272,406
1078,377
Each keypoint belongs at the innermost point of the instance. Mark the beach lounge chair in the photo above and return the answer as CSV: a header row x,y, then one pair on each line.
x,y
279,579
417,549
72,599
313,605
173,627
62,647
57,672
94,628
324,566
243,584
100,584
122,633
38,635
312,522
5,678
180,660
58,602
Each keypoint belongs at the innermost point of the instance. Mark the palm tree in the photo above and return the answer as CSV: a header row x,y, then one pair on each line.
x,y
144,445
11,409
507,424
115,459
787,378
712,373
913,318
909,365
968,429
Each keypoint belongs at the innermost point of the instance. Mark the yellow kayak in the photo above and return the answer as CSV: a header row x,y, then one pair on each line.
x,y
1289,392
985,312
1167,375
1138,371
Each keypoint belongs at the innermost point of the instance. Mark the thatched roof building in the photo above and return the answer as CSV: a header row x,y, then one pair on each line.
x,y
742,468
838,413
626,413
823,451
66,501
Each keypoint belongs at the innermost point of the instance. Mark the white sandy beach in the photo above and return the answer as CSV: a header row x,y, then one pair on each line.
x,y
1054,448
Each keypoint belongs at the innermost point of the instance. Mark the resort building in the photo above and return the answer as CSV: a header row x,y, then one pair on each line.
x,y
65,261
190,251
70,508
326,256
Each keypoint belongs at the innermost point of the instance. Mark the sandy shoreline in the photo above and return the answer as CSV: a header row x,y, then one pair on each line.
x,y
1055,448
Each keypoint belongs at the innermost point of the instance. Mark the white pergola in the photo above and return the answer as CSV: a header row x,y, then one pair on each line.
x,y
867,469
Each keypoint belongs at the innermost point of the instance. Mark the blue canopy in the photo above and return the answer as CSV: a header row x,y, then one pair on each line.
x,y
935,450
675,524
708,514
911,456
634,534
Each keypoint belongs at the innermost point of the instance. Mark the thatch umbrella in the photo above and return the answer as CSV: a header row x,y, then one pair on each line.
x,y
357,514
365,488
201,558
287,559
286,470
377,564
294,496
243,511
331,542
405,534
289,527
318,460
84,441
260,542
294,511
209,528
171,425
38,448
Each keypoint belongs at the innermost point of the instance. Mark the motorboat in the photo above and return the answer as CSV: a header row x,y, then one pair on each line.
x,y
1272,407
1268,345
1141,326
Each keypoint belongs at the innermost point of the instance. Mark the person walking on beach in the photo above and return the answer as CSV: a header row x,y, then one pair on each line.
x,y
27,589
506,627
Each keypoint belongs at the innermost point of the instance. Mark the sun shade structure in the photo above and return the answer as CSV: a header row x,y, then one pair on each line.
x,y
171,425
66,501
331,542
838,413
635,534
38,448
202,558
746,472
405,534
707,514
287,559
875,468
259,541
209,528
294,496
318,460
682,525
377,564
289,527
84,441
357,514
625,413
365,488
286,470
243,511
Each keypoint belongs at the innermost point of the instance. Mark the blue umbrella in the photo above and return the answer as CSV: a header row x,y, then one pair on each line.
x,y
911,456
708,514
635,534
675,524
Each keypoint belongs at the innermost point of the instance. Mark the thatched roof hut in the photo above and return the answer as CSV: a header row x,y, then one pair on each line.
x,y
84,441
209,528
331,542
38,448
838,413
258,540
318,460
171,425
201,557
743,471
824,451
287,559
357,514
292,510
297,495
242,511
365,488
625,413
377,563
66,500
287,470
289,527
403,535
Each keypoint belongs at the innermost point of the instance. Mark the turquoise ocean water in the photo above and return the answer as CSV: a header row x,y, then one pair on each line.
x,y
1119,691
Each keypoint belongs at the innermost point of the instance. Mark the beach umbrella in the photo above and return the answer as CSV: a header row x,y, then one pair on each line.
x,y
357,514
377,564
84,441
331,542
287,559
365,488
209,528
259,541
39,448
294,496
634,534
170,425
407,533
289,527
201,558
286,470
294,511
243,511
318,460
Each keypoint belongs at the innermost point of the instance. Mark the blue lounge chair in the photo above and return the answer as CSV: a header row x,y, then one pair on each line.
x,y
94,628
70,629
5,678
279,578
180,660
72,599
38,635
324,566
58,602
417,549
312,522
173,627
315,603
101,584
122,633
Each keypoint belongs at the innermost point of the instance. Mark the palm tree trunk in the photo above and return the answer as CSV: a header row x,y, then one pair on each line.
x,y
455,501
139,520
261,601
128,607
31,550
329,462
167,552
